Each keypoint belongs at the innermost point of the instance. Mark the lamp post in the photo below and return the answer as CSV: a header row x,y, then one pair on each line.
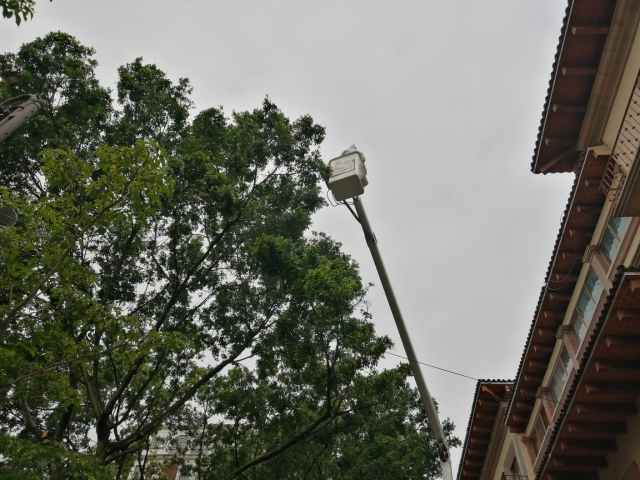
x,y
348,179
12,116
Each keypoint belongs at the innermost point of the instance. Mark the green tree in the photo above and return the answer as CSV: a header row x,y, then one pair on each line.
x,y
378,432
62,71
18,9
163,270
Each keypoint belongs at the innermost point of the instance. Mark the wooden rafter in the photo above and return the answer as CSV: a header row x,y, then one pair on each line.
x,y
589,30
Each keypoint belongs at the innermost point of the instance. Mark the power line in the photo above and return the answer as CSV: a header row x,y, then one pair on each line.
x,y
548,397
433,366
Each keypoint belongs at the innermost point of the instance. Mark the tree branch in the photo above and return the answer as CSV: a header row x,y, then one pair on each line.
x,y
30,422
151,425
312,429
98,409
4,388
72,243
118,269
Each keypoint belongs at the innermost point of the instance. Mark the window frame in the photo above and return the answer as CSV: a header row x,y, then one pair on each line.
x,y
618,239
538,437
595,299
568,369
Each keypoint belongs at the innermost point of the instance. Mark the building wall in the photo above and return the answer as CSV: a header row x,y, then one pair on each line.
x,y
629,445
631,241
621,462
511,447
518,445
161,456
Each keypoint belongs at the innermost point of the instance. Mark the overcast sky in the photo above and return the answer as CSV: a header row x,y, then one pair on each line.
x,y
443,97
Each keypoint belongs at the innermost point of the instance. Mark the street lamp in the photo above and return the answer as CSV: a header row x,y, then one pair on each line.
x,y
348,179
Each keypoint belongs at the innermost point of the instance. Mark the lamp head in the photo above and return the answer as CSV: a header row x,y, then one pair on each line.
x,y
348,174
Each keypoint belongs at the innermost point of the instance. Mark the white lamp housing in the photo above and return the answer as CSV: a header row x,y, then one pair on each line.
x,y
348,174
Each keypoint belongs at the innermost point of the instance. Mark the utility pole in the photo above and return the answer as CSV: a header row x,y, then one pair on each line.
x,y
348,179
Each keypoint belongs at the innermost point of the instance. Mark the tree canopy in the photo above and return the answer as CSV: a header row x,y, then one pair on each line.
x,y
163,275
19,10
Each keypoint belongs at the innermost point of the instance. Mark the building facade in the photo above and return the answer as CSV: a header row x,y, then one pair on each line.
x,y
572,410
165,458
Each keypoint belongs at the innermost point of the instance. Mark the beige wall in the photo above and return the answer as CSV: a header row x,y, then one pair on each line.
x,y
513,440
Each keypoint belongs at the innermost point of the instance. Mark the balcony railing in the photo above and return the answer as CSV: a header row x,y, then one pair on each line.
x,y
506,476
613,180
625,148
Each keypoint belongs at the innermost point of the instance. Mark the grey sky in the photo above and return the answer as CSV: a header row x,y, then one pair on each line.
x,y
444,98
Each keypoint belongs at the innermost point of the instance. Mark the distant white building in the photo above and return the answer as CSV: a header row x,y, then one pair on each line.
x,y
160,459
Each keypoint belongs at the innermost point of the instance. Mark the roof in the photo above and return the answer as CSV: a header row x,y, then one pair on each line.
x,y
573,75
484,413
605,387
578,223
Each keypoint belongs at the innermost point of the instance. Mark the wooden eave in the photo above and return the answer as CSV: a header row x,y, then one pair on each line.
x,y
484,415
579,221
604,390
582,42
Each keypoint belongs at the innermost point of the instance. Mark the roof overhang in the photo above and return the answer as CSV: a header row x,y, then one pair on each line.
x,y
485,430
579,221
594,45
604,390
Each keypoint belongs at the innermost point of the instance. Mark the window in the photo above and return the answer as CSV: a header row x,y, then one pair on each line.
x,y
544,419
182,441
179,444
585,308
534,442
616,228
537,436
560,376
156,444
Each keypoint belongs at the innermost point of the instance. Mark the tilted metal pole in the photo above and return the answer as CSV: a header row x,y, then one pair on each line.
x,y
427,400
19,114
16,115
